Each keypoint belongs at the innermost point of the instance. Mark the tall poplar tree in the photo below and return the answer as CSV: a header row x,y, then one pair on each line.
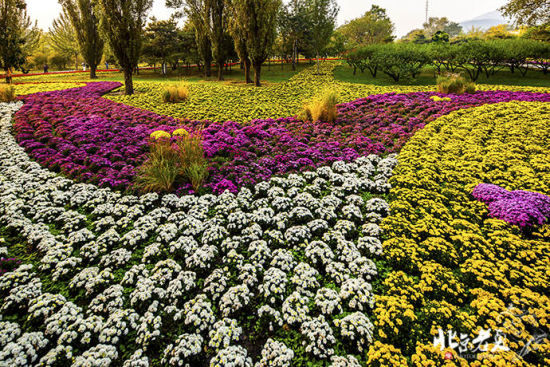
x,y
85,20
62,38
198,13
256,21
321,16
17,35
217,26
122,22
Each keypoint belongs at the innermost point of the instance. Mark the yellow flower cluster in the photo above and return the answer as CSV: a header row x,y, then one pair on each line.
x,y
30,88
440,99
161,134
451,267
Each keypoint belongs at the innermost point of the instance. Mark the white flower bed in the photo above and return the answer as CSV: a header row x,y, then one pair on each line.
x,y
120,280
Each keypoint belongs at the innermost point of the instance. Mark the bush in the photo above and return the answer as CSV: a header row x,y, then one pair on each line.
x,y
455,84
176,93
7,93
194,167
402,61
160,171
321,109
171,159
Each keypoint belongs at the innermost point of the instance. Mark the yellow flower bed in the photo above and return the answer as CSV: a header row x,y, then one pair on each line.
x,y
450,265
30,88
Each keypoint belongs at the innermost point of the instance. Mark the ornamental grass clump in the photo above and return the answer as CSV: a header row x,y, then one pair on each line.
x,y
173,157
455,84
7,93
321,109
160,170
176,93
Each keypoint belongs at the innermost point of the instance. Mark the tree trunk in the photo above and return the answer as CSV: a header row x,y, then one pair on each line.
x,y
220,70
257,72
208,69
318,71
128,82
93,69
248,80
294,56
76,61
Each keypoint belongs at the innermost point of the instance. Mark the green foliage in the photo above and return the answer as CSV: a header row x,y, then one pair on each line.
x,y
7,93
440,37
62,38
373,27
455,84
17,35
122,22
528,12
161,42
85,21
321,22
402,60
254,22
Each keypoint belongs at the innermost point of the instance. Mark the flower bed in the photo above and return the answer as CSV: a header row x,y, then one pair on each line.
x,y
22,89
281,272
451,264
92,139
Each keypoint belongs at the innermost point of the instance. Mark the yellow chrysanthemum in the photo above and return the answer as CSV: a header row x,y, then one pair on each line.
x,y
160,134
180,132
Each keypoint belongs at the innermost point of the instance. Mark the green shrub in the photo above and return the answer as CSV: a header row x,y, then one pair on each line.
x,y
321,109
176,93
455,84
7,93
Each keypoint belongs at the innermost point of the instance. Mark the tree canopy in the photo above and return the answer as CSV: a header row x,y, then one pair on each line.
x,y
122,22
528,12
373,27
17,35
85,21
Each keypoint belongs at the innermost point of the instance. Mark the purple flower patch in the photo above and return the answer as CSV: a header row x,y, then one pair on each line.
x,y
521,208
80,134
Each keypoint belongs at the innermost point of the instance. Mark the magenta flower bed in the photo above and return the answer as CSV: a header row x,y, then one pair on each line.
x,y
95,140
521,208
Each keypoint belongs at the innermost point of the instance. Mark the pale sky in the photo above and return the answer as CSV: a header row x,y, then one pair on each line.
x,y
406,14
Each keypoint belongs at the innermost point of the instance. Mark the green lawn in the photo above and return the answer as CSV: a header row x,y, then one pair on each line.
x,y
344,73
271,73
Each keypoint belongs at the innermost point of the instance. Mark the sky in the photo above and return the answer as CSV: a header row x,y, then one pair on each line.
x,y
406,14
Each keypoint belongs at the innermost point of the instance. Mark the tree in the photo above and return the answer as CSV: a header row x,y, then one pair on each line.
x,y
440,36
85,21
238,32
17,35
122,22
539,33
216,22
435,24
453,29
161,41
198,14
62,38
321,20
416,36
528,12
256,21
293,28
373,27
498,32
